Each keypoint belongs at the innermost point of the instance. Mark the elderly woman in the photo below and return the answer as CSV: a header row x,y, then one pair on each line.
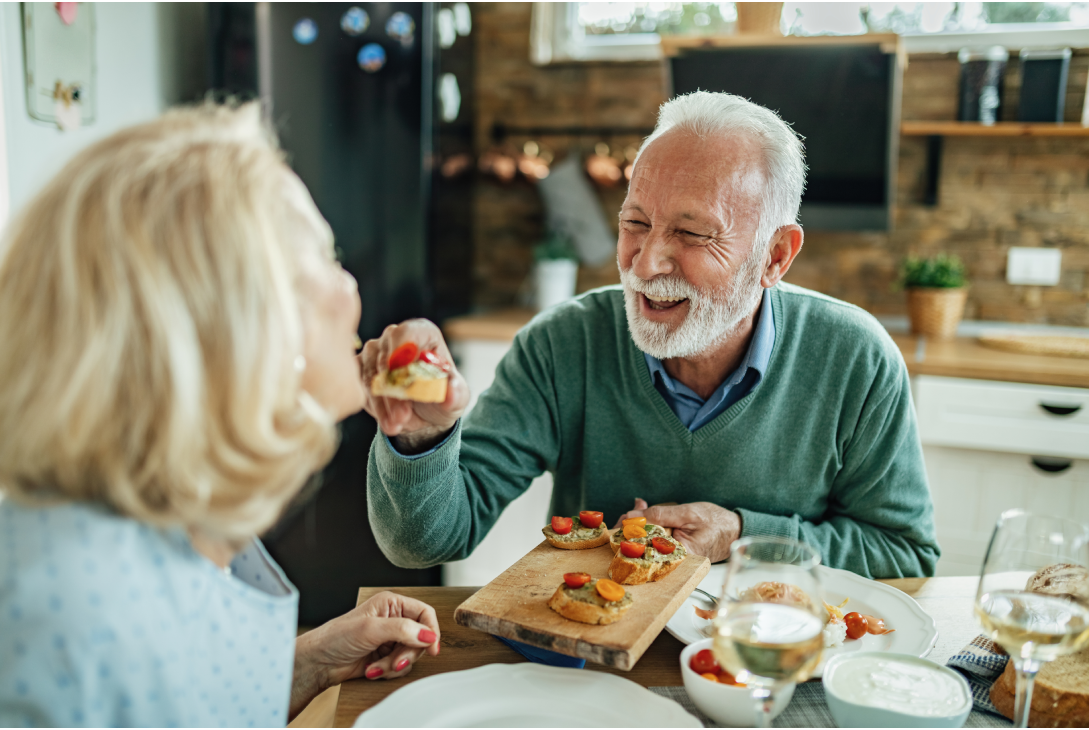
x,y
178,346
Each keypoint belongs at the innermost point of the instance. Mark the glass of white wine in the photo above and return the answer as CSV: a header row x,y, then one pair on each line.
x,y
1034,627
769,624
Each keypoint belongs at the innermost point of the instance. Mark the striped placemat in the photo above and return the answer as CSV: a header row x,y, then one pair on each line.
x,y
807,709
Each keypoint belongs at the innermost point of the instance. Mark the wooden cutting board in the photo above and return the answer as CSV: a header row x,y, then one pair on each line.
x,y
515,605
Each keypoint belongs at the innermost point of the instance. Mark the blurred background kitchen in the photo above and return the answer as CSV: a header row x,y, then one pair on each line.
x,y
471,159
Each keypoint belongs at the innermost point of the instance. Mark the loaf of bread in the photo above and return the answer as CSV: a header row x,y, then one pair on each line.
x,y
1060,696
1063,580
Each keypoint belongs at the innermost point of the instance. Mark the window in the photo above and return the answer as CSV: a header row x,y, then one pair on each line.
x,y
619,31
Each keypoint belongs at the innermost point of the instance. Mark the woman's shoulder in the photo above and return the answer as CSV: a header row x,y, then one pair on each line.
x,y
92,599
80,566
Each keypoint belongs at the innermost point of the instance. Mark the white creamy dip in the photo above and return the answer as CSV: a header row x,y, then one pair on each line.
x,y
910,687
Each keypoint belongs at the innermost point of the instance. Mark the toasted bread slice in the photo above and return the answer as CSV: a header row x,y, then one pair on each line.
x,y
592,610
422,387
590,542
652,566
580,537
636,571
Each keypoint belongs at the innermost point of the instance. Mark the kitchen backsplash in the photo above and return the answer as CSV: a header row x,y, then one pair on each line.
x,y
994,192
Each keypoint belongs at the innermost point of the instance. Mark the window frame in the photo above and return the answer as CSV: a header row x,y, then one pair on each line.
x,y
556,38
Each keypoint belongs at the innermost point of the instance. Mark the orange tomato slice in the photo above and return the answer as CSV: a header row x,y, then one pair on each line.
x,y
712,677
609,590
633,531
641,521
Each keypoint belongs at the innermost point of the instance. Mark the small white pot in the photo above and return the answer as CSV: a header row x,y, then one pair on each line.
x,y
555,281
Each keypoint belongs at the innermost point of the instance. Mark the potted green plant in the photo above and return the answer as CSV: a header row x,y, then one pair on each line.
x,y
555,271
936,293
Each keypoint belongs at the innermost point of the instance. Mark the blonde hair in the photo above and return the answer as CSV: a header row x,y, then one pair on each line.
x,y
151,326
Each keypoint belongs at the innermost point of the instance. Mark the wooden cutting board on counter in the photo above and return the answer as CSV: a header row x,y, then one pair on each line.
x,y
515,606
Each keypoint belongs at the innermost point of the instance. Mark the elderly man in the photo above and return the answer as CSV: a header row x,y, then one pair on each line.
x,y
762,408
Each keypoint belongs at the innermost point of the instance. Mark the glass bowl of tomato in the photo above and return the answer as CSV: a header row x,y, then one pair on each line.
x,y
716,693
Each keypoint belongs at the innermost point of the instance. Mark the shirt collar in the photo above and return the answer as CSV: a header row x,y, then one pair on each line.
x,y
756,357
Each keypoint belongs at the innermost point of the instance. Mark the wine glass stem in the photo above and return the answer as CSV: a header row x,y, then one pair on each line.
x,y
764,701
1026,676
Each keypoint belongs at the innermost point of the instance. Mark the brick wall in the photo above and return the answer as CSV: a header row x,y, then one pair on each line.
x,y
994,192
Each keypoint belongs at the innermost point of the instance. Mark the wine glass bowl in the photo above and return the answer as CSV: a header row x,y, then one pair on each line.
x,y
768,629
1033,597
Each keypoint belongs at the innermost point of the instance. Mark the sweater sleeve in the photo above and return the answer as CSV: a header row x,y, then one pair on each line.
x,y
880,518
438,508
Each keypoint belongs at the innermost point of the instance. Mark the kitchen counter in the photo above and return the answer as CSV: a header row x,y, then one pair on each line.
x,y
962,357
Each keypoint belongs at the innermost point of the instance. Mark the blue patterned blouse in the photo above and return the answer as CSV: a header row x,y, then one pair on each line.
x,y
105,621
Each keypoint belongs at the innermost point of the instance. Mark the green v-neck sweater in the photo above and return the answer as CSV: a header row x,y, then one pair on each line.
x,y
824,449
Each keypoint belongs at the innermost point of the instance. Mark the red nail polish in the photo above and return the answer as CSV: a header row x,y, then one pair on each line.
x,y
374,672
428,636
400,665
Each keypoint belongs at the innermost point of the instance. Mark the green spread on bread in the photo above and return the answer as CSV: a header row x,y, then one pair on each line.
x,y
578,532
588,594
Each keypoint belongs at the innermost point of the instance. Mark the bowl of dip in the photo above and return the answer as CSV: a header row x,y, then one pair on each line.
x,y
726,704
877,689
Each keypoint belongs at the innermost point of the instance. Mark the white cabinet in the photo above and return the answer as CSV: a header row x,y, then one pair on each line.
x,y
993,446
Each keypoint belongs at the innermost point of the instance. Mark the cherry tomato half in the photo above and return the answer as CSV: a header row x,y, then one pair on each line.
x,y
576,580
710,676
665,547
631,532
591,519
856,625
704,662
641,521
403,355
632,549
562,525
609,590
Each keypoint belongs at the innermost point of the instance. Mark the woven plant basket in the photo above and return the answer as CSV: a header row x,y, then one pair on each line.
x,y
936,312
759,18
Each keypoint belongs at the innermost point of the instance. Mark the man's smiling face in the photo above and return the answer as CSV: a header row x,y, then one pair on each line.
x,y
686,251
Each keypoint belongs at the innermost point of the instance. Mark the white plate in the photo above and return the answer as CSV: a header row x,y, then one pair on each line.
x,y
915,632
524,695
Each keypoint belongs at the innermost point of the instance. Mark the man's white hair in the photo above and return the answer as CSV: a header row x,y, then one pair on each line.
x,y
706,113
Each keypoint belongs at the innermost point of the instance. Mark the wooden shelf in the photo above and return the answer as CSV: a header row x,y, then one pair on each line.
x,y
1000,129
675,45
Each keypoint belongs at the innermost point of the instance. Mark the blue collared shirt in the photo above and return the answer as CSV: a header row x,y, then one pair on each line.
x,y
694,411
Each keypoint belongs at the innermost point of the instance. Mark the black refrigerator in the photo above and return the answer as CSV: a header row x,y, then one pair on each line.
x,y
351,90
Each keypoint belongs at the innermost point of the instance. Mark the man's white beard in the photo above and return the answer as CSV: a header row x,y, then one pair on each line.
x,y
712,316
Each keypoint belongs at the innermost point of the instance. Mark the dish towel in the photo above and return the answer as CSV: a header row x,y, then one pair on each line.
x,y
981,662
544,656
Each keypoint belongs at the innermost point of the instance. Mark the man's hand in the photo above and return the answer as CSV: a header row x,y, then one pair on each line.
x,y
380,639
702,527
413,427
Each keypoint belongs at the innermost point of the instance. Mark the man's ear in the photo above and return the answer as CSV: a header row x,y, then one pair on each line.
x,y
785,245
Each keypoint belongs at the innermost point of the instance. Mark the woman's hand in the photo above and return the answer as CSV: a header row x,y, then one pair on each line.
x,y
413,427
379,639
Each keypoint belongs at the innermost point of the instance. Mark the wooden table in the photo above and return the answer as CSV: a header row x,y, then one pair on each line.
x,y
948,600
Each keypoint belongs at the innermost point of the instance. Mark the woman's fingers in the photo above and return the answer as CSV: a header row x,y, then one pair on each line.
x,y
397,663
